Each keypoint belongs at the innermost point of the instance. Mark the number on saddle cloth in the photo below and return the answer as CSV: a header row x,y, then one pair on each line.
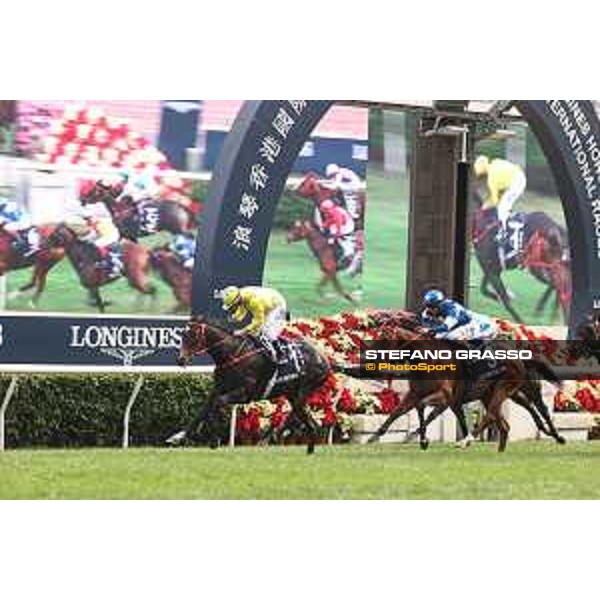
x,y
290,365
149,217
513,241
484,369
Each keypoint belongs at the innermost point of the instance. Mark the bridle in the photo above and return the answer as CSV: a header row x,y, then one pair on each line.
x,y
199,331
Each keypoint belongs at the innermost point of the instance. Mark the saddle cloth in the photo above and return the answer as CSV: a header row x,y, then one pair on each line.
x,y
290,366
514,242
485,370
149,218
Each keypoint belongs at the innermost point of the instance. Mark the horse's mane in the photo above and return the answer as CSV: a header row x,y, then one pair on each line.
x,y
212,321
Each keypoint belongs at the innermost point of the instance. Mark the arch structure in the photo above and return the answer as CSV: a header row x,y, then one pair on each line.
x,y
267,136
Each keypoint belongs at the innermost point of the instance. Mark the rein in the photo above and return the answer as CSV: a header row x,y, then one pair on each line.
x,y
236,358
480,234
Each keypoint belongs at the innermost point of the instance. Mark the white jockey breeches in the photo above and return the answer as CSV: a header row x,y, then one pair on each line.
x,y
275,323
347,244
510,197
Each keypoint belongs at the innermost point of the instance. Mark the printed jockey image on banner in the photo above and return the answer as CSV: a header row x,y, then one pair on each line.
x,y
94,217
520,266
316,249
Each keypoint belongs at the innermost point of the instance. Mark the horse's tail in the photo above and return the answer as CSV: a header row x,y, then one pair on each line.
x,y
545,370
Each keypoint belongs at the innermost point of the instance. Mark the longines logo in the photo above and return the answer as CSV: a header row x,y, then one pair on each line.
x,y
126,343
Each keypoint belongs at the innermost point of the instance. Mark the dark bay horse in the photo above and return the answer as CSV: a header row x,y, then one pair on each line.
x,y
324,253
544,255
135,220
243,370
42,261
165,262
92,275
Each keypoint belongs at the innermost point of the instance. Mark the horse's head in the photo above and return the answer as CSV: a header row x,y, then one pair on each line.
x,y
95,192
193,341
310,187
299,231
485,224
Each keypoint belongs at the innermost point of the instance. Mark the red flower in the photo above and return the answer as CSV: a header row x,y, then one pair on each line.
x,y
347,403
350,321
316,401
250,421
331,383
389,401
304,329
329,418
278,419
586,399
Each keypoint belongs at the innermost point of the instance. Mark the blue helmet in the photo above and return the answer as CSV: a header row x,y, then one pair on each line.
x,y
433,297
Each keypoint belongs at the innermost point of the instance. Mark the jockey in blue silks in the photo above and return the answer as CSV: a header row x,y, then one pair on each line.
x,y
450,320
184,247
17,223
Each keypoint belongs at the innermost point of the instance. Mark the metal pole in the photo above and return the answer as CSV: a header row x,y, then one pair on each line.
x,y
127,415
233,425
10,390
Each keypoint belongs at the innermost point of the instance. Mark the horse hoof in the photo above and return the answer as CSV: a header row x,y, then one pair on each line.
x,y
465,442
424,445
310,450
177,440
561,440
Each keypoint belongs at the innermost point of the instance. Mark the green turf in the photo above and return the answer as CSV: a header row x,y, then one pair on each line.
x,y
529,470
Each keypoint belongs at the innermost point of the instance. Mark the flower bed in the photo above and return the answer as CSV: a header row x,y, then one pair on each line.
x,y
334,406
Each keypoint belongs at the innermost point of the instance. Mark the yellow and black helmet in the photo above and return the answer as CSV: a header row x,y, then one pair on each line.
x,y
232,297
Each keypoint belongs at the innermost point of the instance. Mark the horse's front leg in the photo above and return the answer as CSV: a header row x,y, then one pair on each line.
x,y
300,410
206,417
425,423
423,441
410,401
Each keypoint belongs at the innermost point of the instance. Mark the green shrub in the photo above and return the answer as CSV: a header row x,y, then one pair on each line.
x,y
62,411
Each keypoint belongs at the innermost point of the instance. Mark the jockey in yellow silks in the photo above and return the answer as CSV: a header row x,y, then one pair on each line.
x,y
506,183
266,308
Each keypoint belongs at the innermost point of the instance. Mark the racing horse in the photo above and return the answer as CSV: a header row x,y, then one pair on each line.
x,y
135,220
324,253
516,380
92,274
312,188
166,263
244,373
544,254
42,261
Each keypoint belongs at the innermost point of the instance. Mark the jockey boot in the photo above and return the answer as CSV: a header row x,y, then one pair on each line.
x,y
502,241
116,266
32,238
